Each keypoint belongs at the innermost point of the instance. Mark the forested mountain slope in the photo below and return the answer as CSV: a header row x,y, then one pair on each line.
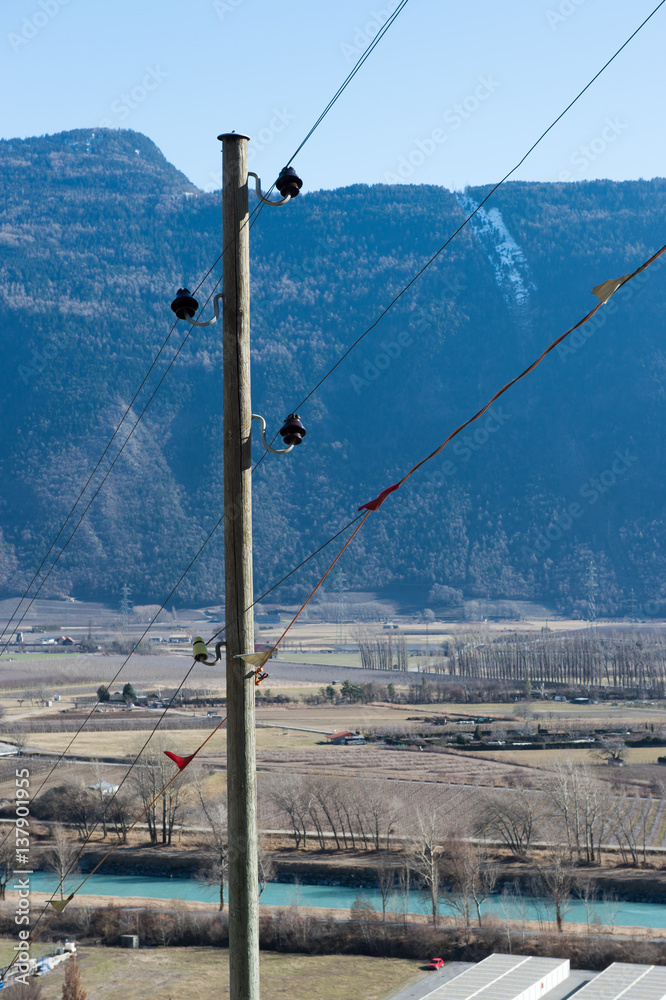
x,y
556,495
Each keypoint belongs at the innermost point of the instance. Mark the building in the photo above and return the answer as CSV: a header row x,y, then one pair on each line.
x,y
505,977
338,739
346,738
630,982
104,787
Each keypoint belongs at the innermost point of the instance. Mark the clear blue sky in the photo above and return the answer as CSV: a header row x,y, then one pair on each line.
x,y
180,72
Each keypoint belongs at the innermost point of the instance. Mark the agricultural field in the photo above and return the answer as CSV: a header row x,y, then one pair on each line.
x,y
202,974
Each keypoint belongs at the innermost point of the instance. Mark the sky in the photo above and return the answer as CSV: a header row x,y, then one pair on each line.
x,y
454,94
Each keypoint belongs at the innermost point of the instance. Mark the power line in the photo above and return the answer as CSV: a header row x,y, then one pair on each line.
x,y
603,292
477,209
99,487
341,531
258,600
366,55
250,221
88,481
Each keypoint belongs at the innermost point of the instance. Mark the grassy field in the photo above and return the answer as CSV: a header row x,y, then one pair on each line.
x,y
202,974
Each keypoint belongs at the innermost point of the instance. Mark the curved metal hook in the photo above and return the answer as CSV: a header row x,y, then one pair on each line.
x,y
262,424
263,198
216,306
201,658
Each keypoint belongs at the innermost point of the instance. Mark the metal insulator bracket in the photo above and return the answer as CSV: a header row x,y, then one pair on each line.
x,y
262,197
262,425
216,308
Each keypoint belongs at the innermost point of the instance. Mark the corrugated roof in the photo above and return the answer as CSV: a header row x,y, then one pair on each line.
x,y
624,981
502,977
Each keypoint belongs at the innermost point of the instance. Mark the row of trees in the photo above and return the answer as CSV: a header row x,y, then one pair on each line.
x,y
586,657
575,811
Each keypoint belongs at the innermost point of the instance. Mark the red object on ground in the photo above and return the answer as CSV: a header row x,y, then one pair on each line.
x,y
182,762
436,963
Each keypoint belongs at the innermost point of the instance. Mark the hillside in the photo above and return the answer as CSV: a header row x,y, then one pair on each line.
x,y
557,496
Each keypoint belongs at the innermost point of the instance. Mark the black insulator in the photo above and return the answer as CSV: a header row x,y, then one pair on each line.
x,y
293,431
288,182
184,305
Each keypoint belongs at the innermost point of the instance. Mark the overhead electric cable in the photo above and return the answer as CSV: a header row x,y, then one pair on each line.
x,y
87,483
343,86
258,600
99,487
603,293
61,904
477,209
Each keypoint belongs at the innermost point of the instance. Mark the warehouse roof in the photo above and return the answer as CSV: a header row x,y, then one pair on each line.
x,y
505,977
630,982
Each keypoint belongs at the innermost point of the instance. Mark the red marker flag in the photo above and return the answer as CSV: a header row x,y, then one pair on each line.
x,y
378,501
182,762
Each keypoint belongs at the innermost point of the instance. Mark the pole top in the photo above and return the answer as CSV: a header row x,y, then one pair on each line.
x,y
233,135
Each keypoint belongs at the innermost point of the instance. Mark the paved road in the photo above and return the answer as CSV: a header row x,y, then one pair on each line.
x,y
431,982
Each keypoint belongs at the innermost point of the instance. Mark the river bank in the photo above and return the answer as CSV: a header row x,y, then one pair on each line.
x,y
358,869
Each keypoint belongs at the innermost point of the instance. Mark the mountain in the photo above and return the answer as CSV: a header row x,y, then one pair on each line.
x,y
556,495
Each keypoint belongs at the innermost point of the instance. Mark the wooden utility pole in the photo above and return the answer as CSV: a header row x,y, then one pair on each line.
x,y
241,769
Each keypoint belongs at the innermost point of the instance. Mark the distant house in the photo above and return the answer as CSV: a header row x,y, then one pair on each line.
x,y
346,738
66,640
339,738
104,787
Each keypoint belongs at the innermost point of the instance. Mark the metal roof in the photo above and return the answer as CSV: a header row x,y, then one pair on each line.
x,y
623,981
505,977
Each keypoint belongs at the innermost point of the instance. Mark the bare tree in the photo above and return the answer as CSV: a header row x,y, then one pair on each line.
x,y
385,869
216,863
465,867
556,881
100,794
631,826
266,866
163,809
582,803
7,865
80,807
509,818
611,751
425,854
61,857
381,810
286,793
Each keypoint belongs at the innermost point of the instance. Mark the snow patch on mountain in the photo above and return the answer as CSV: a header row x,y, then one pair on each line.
x,y
504,254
